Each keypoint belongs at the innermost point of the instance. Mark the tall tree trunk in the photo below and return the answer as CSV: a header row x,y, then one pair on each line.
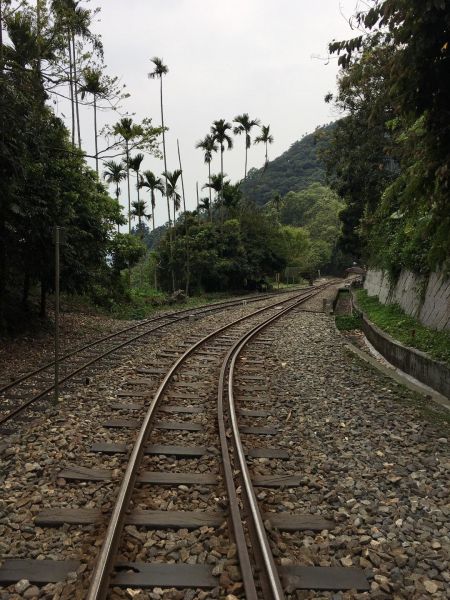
x,y
129,204
198,203
221,184
137,184
128,185
246,152
117,198
164,146
153,201
75,89
165,177
210,191
72,106
188,254
168,212
155,272
38,35
96,133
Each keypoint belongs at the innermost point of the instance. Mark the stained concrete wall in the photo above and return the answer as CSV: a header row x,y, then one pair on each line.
x,y
433,373
432,309
419,365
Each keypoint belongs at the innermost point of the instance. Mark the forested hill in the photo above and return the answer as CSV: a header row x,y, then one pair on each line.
x,y
295,170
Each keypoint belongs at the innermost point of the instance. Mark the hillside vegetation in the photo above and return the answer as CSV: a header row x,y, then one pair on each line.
x,y
293,236
294,170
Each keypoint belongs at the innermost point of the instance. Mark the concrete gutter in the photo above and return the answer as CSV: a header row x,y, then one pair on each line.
x,y
399,376
434,374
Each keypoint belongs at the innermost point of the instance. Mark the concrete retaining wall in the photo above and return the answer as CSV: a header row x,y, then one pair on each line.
x,y
431,308
417,364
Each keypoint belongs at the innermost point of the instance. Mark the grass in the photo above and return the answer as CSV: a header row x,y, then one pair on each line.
x,y
348,322
144,303
407,330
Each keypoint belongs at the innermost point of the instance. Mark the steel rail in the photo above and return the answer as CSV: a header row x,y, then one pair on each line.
x,y
201,309
271,581
100,579
24,405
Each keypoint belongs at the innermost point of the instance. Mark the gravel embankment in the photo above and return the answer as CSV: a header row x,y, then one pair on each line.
x,y
33,458
373,458
30,351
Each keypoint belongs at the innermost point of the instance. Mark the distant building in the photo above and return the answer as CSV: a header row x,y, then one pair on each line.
x,y
355,271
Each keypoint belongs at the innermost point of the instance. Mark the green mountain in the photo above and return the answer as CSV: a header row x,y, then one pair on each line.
x,y
295,170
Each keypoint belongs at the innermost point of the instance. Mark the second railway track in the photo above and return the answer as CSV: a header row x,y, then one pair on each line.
x,y
190,487
25,389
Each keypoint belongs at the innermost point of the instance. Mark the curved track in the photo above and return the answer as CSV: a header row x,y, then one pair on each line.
x,y
104,346
203,366
101,577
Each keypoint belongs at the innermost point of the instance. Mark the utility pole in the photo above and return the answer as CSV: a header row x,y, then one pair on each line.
x,y
58,240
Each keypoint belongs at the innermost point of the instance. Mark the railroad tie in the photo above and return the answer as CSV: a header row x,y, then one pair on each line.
x,y
169,425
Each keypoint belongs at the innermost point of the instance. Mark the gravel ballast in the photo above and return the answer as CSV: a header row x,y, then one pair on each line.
x,y
372,460
34,455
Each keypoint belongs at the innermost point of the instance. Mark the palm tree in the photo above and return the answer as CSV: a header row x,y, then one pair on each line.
x,y
172,194
127,130
219,132
139,208
153,184
158,72
208,145
81,22
74,21
114,173
135,165
215,184
205,204
172,191
93,84
266,138
245,125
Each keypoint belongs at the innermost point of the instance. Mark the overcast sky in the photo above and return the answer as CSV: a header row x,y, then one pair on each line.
x,y
225,57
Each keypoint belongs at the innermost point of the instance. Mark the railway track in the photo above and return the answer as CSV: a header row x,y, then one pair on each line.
x,y
210,387
18,395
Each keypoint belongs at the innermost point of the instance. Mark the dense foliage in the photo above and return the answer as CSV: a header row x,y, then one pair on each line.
x,y
44,180
294,170
296,234
278,220
390,155
236,255
316,211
